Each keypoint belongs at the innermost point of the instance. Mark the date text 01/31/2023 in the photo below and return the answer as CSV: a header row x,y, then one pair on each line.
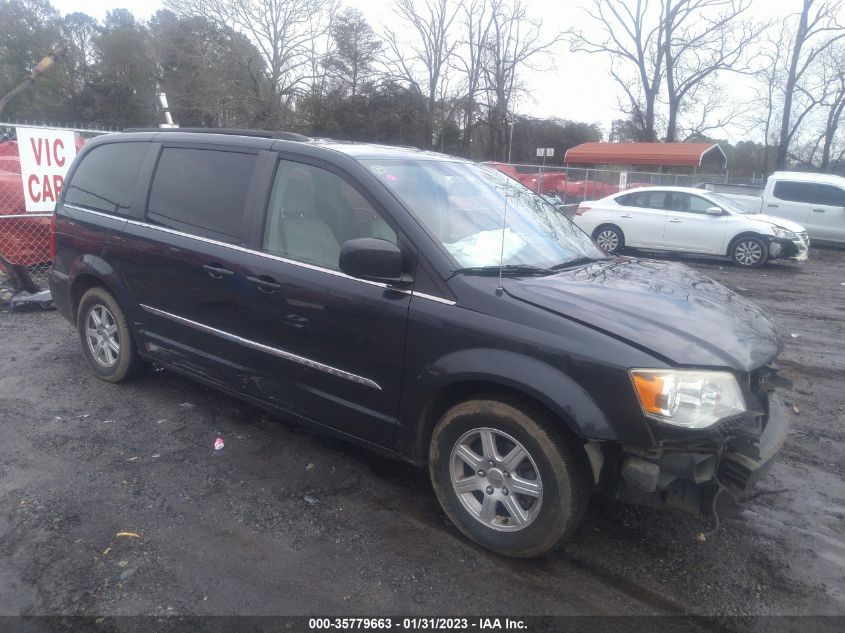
x,y
418,624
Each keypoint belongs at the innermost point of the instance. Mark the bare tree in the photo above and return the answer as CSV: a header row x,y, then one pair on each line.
x,y
770,75
469,61
834,62
422,62
713,110
79,31
319,55
701,39
514,43
818,29
632,35
283,30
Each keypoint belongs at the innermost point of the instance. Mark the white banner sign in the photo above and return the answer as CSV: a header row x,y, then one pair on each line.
x,y
45,157
623,180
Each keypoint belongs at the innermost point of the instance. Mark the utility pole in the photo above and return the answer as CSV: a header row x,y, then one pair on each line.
x,y
42,67
510,142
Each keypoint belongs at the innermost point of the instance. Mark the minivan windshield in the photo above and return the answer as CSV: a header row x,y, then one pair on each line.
x,y
462,205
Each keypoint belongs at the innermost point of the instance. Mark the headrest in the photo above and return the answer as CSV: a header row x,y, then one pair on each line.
x,y
299,199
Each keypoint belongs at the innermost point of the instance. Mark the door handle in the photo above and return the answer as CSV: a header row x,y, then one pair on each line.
x,y
626,215
819,210
773,206
266,284
216,271
676,221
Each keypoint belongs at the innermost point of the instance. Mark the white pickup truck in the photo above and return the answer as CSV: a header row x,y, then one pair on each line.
x,y
816,201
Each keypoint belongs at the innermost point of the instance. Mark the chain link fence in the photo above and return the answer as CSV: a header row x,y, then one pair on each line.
x,y
572,185
25,237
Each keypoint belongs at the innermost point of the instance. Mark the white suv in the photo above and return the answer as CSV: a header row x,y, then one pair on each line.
x,y
690,220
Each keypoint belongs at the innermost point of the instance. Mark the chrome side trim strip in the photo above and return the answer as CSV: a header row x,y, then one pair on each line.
x,y
275,351
277,258
422,295
91,211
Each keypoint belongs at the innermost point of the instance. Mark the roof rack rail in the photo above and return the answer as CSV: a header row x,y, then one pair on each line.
x,y
286,136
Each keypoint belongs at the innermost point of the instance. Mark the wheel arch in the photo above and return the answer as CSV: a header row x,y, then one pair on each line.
x,y
765,238
90,272
564,404
607,225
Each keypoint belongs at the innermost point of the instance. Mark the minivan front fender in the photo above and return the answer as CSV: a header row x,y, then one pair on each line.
x,y
484,370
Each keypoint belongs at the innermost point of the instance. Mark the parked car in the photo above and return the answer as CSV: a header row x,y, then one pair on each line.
x,y
382,294
687,220
731,188
816,201
546,183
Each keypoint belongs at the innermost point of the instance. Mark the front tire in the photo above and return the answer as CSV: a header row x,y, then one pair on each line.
x,y
504,479
610,239
107,342
749,252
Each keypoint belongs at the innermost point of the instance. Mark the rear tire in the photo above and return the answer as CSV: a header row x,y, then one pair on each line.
x,y
519,506
610,239
107,342
749,251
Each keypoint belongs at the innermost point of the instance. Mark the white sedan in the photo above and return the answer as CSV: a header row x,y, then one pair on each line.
x,y
687,220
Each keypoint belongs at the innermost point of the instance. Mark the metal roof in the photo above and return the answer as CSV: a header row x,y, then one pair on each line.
x,y
669,154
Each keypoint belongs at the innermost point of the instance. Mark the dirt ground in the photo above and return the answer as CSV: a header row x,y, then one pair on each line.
x,y
285,521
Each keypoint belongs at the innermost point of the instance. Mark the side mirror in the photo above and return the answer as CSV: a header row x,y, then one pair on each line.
x,y
714,211
372,259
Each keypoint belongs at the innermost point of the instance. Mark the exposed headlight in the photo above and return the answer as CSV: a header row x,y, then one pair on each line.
x,y
783,233
688,398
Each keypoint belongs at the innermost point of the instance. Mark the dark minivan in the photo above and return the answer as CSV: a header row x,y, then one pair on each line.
x,y
424,306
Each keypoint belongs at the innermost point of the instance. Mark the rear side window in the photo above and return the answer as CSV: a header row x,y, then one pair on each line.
x,y
810,193
831,196
795,191
646,199
105,179
201,191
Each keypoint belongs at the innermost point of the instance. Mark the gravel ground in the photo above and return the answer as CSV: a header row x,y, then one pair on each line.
x,y
285,521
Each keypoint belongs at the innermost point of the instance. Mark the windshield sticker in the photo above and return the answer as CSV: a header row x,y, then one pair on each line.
x,y
378,170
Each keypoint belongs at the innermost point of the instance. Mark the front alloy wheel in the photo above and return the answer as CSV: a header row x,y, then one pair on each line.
x,y
506,477
749,252
496,479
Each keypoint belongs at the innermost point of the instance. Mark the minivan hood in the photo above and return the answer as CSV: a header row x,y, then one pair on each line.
x,y
784,224
667,308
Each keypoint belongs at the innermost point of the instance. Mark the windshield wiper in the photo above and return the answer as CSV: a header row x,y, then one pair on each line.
x,y
514,270
569,263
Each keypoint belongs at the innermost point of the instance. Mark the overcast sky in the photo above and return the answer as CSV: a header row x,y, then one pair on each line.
x,y
573,86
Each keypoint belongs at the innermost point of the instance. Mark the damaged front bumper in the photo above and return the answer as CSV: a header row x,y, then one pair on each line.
x,y
797,249
689,477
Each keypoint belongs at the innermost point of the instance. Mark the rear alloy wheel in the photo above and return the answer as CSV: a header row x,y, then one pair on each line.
x,y
610,239
749,252
107,342
505,479
102,335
